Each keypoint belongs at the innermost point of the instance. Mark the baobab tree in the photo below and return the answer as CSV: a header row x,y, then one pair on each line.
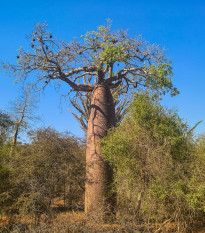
x,y
99,62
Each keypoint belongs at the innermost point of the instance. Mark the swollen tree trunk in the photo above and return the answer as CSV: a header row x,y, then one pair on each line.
x,y
99,174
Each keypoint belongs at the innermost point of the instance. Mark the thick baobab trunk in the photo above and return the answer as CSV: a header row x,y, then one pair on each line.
x,y
99,174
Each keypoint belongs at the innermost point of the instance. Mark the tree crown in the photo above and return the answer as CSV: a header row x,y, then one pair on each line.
x,y
100,57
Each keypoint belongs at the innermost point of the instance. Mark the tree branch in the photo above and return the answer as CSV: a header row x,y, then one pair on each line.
x,y
80,69
77,87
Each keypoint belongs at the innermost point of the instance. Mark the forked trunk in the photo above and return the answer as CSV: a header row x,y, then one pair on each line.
x,y
99,174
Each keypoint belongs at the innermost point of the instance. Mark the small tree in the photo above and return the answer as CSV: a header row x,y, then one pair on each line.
x,y
22,110
113,59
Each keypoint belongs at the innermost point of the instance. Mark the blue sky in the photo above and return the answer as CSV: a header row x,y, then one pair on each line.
x,y
177,25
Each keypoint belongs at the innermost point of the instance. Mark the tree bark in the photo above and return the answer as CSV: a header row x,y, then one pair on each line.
x,y
14,138
15,135
99,174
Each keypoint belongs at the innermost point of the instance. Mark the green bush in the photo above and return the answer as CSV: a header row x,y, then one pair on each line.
x,y
49,169
156,172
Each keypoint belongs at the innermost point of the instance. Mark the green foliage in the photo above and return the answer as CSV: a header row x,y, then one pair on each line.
x,y
106,48
110,48
6,125
196,196
158,175
4,173
50,167
160,78
113,53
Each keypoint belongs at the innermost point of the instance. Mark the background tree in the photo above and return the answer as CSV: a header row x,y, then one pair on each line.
x,y
22,111
6,124
112,59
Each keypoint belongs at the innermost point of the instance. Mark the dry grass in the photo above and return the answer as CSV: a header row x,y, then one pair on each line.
x,y
76,222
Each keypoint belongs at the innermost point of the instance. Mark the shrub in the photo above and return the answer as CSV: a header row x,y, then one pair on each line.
x,y
154,154
48,169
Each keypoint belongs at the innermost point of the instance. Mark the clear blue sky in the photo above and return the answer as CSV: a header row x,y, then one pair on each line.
x,y
177,25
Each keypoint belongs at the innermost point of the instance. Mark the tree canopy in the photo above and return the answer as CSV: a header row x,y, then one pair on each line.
x,y
100,56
